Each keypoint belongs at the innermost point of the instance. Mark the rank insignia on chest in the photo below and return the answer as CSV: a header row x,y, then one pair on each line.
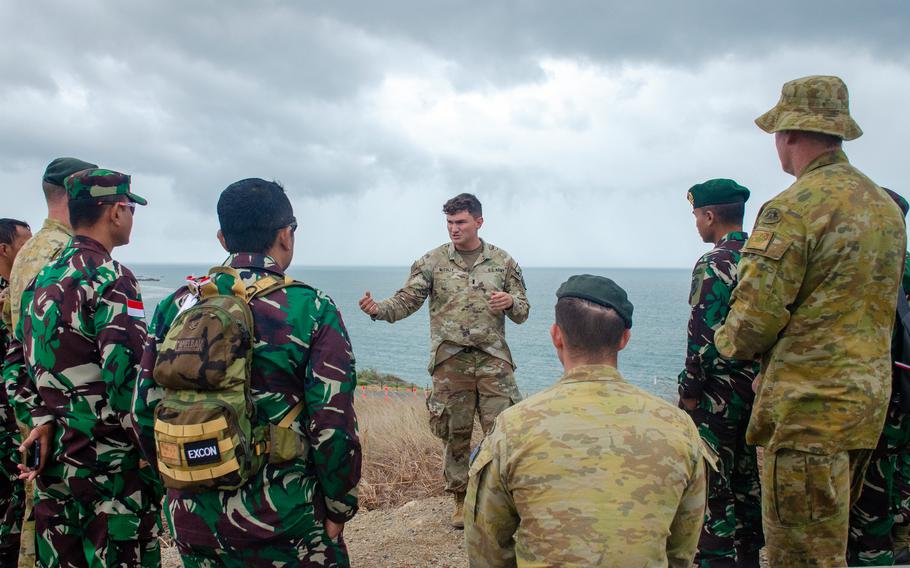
x,y
760,240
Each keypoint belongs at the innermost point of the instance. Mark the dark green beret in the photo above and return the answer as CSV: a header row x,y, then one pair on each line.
x,y
899,199
62,168
98,183
717,192
599,290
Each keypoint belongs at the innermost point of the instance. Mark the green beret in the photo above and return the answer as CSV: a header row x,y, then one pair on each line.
x,y
599,290
899,199
92,184
717,192
62,168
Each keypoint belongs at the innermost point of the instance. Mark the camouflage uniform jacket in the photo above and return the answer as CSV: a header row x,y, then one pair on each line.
x,y
713,280
85,332
589,472
38,251
302,354
816,300
459,316
7,417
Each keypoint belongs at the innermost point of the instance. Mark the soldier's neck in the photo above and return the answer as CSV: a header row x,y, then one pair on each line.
x,y
97,233
471,246
59,211
571,361
726,230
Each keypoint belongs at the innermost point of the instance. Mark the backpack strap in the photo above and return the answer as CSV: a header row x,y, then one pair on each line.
x,y
211,289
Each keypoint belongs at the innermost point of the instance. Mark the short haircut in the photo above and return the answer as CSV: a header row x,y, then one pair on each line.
x,y
86,212
826,139
9,229
251,212
53,192
463,202
587,327
728,213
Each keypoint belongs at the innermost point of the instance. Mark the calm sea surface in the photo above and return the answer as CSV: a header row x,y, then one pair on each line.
x,y
652,360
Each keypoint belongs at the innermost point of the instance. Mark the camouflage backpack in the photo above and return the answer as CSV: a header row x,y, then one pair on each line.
x,y
207,435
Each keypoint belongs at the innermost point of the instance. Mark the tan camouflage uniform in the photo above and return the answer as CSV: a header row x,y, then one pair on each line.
x,y
816,300
470,361
589,472
43,247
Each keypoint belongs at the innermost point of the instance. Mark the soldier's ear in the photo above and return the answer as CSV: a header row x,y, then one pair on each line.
x,y
479,221
624,340
220,236
556,337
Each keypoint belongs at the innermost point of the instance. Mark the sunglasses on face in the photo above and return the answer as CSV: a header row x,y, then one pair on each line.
x,y
128,204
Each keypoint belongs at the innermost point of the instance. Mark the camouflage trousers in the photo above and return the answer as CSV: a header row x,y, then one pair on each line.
x,y
732,532
28,540
12,495
806,501
471,382
884,499
90,519
297,552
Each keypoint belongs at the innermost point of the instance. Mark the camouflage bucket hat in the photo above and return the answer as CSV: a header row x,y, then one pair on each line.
x,y
818,103
92,184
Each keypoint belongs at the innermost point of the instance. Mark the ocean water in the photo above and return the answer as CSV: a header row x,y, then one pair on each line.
x,y
652,360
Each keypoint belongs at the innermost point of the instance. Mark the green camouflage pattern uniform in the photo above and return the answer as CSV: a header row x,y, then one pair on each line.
x,y
12,492
816,301
470,362
883,499
302,354
723,389
589,472
38,251
98,503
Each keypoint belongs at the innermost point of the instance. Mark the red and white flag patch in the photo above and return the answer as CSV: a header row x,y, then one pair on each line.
x,y
135,309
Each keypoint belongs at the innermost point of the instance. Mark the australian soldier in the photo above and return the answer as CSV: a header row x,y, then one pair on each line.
x,y
472,286
13,234
591,471
257,443
84,331
717,392
816,298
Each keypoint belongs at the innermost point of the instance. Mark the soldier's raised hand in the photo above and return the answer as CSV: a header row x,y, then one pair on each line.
x,y
368,305
500,301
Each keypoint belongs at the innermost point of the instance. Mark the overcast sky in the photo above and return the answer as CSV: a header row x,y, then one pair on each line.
x,y
579,125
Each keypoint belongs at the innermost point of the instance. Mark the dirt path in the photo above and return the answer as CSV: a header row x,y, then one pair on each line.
x,y
417,534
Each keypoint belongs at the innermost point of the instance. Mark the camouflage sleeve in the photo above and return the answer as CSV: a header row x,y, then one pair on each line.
x,y
515,285
771,273
330,384
147,393
409,299
686,527
20,389
490,516
120,335
709,298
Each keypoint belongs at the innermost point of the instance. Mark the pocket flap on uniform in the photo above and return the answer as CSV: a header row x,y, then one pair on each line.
x,y
768,244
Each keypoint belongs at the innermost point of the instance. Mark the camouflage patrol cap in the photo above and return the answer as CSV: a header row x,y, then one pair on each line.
x,y
717,192
61,168
95,183
818,103
599,290
899,199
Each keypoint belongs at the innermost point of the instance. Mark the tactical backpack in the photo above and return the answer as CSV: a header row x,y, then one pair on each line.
x,y
207,435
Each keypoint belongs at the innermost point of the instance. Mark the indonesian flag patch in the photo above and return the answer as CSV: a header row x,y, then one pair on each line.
x,y
135,309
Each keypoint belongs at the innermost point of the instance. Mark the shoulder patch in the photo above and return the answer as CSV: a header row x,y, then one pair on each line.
x,y
768,244
760,240
770,216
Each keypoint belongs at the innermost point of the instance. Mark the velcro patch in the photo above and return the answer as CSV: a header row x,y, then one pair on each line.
x,y
760,240
169,452
202,452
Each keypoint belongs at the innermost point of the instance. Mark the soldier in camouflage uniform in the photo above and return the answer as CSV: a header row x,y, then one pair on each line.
x,y
816,298
591,471
98,502
289,513
717,392
472,286
873,516
43,247
13,235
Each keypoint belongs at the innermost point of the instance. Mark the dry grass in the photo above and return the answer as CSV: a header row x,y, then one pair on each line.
x,y
402,459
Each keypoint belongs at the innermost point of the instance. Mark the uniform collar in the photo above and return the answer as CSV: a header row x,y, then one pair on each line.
x,y
456,258
254,260
90,244
826,159
55,225
741,236
592,373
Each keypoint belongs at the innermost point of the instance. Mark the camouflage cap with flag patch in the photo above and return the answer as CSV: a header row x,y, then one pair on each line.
x,y
97,183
